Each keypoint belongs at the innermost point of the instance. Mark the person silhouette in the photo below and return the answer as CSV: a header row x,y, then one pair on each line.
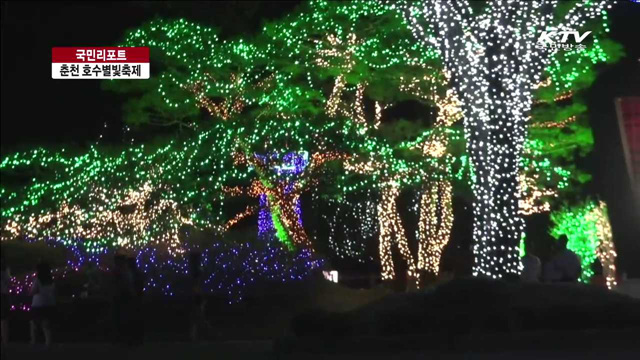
x,y
137,319
5,301
531,265
43,302
565,266
197,298
122,294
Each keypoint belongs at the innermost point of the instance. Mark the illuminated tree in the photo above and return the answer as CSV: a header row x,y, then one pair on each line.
x,y
494,64
279,79
589,232
235,84
319,82
559,133
155,204
348,65
363,56
135,198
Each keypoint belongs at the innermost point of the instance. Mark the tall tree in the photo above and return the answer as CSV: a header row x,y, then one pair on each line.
x,y
300,86
494,61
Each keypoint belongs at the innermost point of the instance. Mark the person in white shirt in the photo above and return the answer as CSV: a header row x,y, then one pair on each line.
x,y
43,303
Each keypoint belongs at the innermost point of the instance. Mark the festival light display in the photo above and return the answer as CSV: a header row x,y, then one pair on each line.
x,y
589,232
292,164
352,225
436,220
436,208
341,52
133,199
319,83
606,250
494,64
230,269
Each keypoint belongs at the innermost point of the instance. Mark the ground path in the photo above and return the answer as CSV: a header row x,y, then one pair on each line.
x,y
613,344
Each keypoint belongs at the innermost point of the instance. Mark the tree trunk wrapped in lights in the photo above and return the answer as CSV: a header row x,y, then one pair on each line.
x,y
494,64
282,200
392,231
436,219
605,250
284,210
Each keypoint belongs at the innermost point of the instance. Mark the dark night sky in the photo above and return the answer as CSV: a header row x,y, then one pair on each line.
x,y
38,110
610,180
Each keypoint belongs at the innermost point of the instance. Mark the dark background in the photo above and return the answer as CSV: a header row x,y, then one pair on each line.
x,y
37,110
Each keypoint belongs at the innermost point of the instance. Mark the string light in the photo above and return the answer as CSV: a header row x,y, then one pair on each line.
x,y
353,226
434,226
230,269
589,233
554,124
392,232
495,64
532,199
605,250
264,107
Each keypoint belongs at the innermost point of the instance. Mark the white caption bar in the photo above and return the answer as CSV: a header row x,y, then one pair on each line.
x,y
77,71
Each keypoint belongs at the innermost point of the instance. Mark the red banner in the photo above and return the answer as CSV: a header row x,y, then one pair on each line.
x,y
629,116
103,54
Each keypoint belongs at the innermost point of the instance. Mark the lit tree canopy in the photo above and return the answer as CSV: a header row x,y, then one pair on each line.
x,y
322,82
295,88
589,233
495,63
136,197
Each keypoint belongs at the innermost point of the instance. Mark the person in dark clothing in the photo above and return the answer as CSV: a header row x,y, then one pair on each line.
x,y
465,259
565,266
122,295
137,320
447,266
197,298
43,302
92,285
6,299
598,278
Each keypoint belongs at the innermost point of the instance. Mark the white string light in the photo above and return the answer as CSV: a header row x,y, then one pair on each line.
x,y
494,64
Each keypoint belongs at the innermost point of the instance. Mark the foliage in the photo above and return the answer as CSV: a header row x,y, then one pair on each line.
x,y
582,231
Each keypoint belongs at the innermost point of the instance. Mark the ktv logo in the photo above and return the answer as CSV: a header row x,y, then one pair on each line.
x,y
556,40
